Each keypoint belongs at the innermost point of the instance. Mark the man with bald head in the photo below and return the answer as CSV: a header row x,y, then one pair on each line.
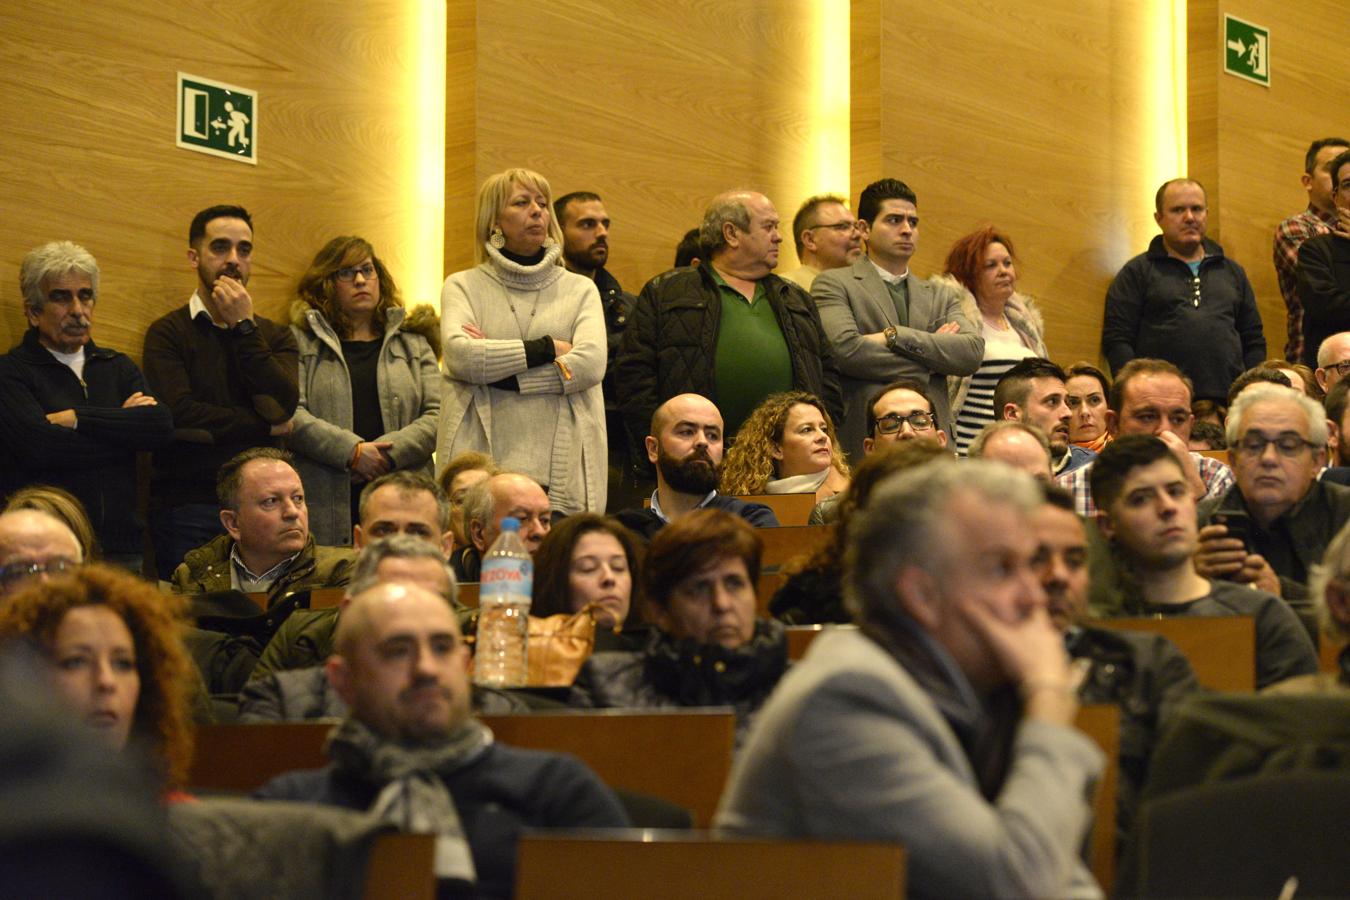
x,y
1333,355
410,750
728,329
1015,443
487,503
34,544
685,444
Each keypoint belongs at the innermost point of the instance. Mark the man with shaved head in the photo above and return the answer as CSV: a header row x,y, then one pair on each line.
x,y
34,544
410,750
685,445
728,329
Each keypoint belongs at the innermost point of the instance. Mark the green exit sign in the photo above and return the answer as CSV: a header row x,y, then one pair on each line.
x,y
1246,50
217,118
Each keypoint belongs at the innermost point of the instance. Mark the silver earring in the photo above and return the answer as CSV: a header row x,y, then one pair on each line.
x,y
497,239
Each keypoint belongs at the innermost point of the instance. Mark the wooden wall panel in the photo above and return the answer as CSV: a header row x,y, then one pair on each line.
x,y
1026,116
656,106
87,152
1252,156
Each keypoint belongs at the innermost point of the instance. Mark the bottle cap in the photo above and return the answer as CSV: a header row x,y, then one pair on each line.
x,y
510,523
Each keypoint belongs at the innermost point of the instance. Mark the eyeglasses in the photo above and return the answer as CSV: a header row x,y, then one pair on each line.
x,y
1289,445
893,422
1342,368
841,227
19,571
349,273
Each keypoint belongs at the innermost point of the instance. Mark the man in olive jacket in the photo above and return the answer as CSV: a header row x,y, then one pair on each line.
x,y
267,547
727,329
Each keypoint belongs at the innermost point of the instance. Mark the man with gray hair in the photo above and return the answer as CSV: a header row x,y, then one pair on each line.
x,y
945,722
1015,443
74,414
300,694
826,236
493,499
728,329
1277,441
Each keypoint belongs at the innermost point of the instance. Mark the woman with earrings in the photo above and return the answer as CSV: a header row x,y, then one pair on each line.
x,y
369,386
524,347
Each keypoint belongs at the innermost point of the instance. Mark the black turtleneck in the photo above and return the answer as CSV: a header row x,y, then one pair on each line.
x,y
533,259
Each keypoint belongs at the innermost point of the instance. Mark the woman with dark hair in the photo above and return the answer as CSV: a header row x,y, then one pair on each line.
x,y
589,559
112,645
814,593
370,390
1086,391
709,647
981,267
525,350
788,445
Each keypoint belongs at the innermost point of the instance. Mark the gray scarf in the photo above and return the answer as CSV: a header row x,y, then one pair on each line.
x,y
414,796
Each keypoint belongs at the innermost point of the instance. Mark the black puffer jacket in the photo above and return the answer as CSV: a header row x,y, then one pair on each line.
x,y
670,344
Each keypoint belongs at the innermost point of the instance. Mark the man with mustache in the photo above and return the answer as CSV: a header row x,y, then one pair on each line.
x,y
585,226
411,752
685,445
1183,301
1033,391
73,414
228,375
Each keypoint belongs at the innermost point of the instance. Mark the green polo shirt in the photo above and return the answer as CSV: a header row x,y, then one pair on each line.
x,y
752,358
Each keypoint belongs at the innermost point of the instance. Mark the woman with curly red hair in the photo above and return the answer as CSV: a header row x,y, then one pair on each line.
x,y
981,267
111,643
787,446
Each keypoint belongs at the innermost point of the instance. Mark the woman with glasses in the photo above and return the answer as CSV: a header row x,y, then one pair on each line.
x,y
525,349
981,267
369,387
787,446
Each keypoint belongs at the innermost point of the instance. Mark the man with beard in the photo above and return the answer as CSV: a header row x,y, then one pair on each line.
x,y
685,445
228,375
1033,391
585,226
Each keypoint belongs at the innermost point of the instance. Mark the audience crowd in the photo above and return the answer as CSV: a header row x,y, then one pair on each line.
x,y
979,515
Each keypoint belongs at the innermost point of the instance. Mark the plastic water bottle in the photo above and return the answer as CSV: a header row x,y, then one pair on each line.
x,y
507,581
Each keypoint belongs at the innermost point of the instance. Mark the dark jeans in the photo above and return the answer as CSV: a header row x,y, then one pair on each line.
x,y
180,529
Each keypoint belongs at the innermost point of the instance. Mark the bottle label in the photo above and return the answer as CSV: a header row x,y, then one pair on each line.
x,y
518,572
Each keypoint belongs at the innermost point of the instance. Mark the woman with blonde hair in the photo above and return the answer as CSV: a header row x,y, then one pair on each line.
x,y
370,389
525,349
787,446
62,505
112,647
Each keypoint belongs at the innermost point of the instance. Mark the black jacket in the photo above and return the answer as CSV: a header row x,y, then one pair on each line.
x,y
670,344
96,460
1324,288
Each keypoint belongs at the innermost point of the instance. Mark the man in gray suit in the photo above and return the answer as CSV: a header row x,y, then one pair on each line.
x,y
884,324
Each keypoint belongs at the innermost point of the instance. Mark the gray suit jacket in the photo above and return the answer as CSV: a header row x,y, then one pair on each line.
x,y
854,301
850,747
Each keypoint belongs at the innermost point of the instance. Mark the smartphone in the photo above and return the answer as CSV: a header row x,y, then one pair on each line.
x,y
1239,526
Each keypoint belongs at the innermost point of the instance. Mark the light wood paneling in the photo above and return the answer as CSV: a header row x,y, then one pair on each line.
x,y
655,106
87,153
1026,116
1247,141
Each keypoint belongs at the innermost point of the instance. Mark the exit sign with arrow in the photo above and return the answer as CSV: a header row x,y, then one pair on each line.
x,y
1246,50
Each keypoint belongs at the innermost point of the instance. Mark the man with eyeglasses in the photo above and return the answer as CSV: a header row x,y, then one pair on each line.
x,y
1148,513
1182,300
34,544
826,235
1277,445
229,376
885,323
1324,266
1333,361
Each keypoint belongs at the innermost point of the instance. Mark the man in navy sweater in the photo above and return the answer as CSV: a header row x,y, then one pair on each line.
x,y
74,414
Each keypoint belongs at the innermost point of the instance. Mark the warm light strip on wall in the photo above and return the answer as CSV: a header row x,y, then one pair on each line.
x,y
1164,71
827,162
423,129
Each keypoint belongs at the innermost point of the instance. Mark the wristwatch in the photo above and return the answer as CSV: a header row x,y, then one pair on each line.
x,y
245,327
890,333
